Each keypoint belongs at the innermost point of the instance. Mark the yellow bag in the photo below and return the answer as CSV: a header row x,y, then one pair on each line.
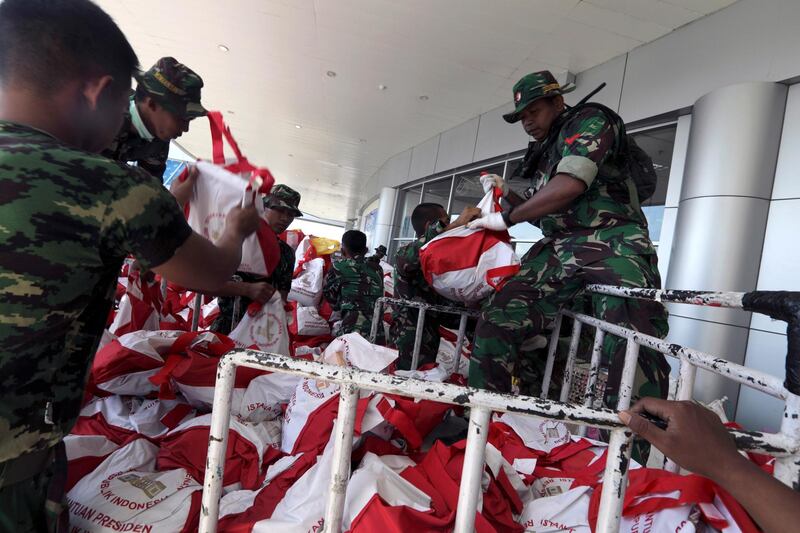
x,y
325,246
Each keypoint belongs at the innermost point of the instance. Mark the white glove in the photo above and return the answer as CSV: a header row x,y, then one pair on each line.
x,y
492,221
493,180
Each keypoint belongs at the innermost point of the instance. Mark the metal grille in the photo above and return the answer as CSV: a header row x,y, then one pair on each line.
x,y
785,445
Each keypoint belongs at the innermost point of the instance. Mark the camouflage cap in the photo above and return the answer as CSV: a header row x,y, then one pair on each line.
x,y
381,249
532,87
284,197
175,86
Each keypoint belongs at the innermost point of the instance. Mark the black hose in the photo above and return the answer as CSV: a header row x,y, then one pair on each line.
x,y
782,305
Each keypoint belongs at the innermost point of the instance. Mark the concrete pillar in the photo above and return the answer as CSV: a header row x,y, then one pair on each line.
x,y
383,226
721,218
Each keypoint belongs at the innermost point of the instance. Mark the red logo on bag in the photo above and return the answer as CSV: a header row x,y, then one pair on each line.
x,y
213,225
267,332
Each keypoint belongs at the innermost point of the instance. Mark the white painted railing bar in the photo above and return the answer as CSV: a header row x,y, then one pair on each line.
x,y
746,376
785,445
377,319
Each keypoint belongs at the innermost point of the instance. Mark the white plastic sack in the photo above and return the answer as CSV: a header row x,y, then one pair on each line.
x,y
308,411
126,493
565,512
537,433
248,444
310,414
264,396
310,323
466,265
216,192
445,357
307,286
120,417
354,350
388,279
266,329
124,365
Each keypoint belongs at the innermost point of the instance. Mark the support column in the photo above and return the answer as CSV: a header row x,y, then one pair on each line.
x,y
383,225
721,219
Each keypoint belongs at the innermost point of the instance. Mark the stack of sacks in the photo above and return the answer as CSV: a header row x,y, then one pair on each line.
x,y
163,363
178,309
310,316
136,462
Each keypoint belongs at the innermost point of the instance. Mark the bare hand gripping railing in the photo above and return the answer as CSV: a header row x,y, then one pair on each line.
x,y
784,445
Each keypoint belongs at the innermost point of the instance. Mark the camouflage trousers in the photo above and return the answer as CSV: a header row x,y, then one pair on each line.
x,y
528,304
357,321
403,332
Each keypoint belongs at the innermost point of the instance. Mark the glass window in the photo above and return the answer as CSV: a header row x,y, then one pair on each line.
x,y
659,144
409,200
468,191
173,170
437,192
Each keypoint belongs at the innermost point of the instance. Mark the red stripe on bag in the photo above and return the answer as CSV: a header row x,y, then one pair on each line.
x,y
504,273
437,256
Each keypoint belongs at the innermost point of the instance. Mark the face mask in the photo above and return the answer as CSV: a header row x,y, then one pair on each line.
x,y
138,124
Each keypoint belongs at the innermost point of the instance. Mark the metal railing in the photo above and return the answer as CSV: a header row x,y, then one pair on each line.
x,y
784,445
465,314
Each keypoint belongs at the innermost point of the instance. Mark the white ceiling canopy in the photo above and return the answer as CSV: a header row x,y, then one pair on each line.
x,y
324,91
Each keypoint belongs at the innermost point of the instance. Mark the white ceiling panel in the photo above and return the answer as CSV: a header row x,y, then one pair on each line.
x,y
463,55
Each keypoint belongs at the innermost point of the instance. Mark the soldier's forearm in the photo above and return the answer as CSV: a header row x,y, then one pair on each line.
x,y
554,197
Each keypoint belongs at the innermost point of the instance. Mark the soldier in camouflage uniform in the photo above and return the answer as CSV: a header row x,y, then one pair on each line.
x,y
353,285
69,217
594,232
282,207
380,253
428,220
167,98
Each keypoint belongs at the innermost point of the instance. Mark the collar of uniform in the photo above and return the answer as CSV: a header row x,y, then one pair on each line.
x,y
138,123
8,125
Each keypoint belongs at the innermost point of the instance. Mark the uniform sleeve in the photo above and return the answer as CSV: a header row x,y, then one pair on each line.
x,y
144,220
587,140
333,288
282,279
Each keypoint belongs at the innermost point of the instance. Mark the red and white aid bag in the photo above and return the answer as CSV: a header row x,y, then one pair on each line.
x,y
466,265
126,493
264,327
307,286
221,188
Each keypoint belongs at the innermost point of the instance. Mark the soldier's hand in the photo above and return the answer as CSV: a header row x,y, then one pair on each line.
x,y
467,215
242,221
489,181
695,438
260,292
492,221
183,190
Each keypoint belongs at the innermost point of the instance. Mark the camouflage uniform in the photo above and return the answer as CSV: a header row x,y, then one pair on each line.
x,y
410,284
282,197
281,279
601,238
175,87
353,286
68,219
380,253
